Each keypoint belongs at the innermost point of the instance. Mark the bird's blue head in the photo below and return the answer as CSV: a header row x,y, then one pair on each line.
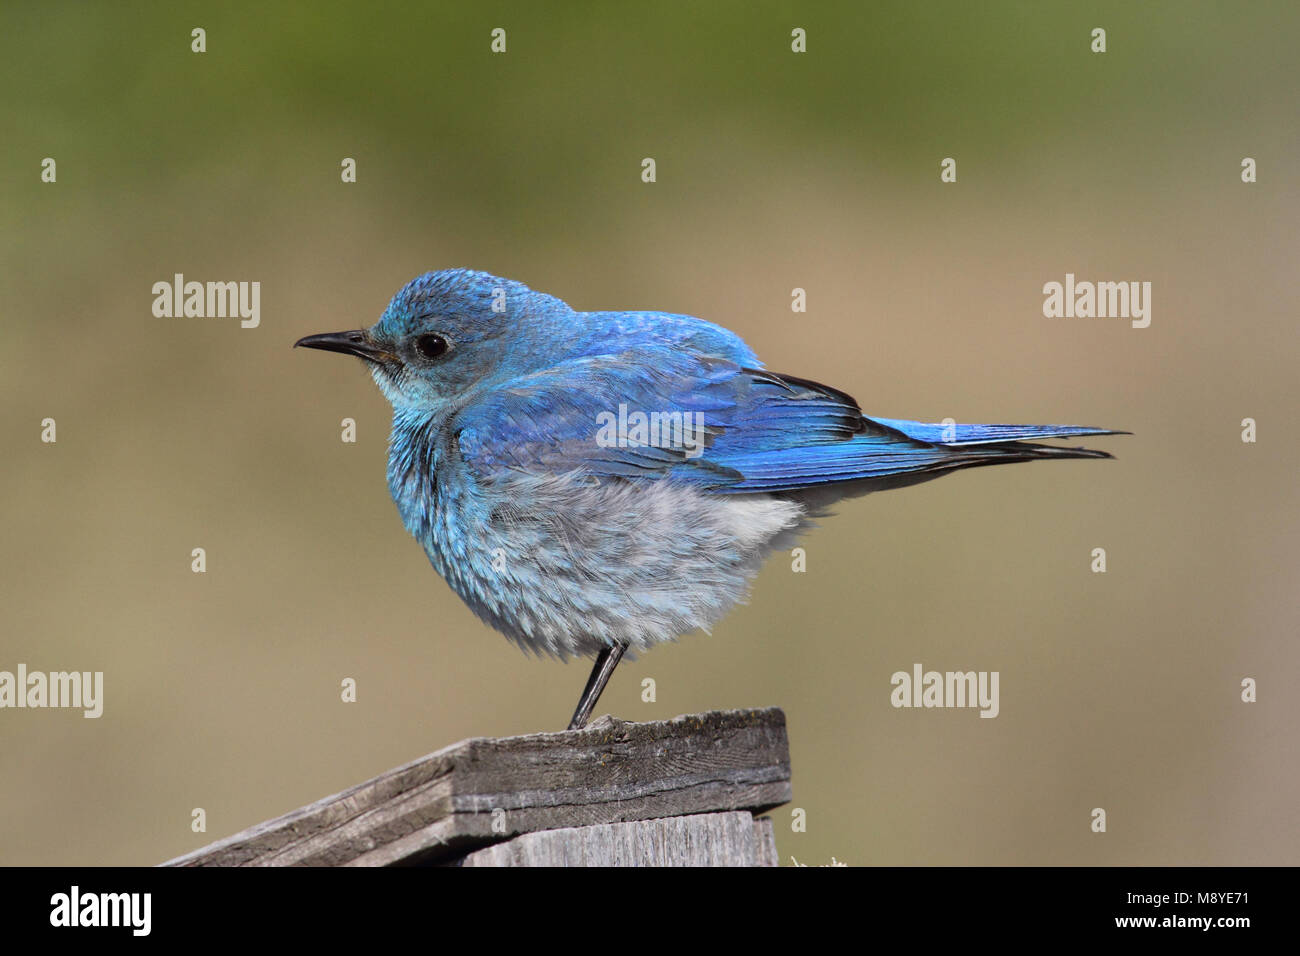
x,y
450,331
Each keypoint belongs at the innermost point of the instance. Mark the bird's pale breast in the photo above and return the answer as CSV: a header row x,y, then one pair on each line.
x,y
565,564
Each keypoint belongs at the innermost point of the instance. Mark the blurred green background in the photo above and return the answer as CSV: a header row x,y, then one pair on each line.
x,y
775,171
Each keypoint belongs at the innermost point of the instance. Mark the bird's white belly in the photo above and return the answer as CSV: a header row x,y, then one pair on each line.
x,y
565,565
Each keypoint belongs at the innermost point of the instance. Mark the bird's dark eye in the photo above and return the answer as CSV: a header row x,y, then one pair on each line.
x,y
431,345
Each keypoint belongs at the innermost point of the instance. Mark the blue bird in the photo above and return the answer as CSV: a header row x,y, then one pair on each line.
x,y
590,482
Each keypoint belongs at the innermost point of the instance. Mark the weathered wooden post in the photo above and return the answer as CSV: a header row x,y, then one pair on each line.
x,y
680,792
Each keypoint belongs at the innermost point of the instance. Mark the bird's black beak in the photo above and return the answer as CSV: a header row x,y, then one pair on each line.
x,y
355,343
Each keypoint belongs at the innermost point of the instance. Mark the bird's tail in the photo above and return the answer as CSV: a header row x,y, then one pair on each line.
x,y
951,434
970,446
966,446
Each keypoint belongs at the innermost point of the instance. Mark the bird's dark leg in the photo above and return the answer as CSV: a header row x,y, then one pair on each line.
x,y
606,661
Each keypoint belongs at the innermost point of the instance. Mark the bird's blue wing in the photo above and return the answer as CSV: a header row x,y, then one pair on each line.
x,y
761,431
555,421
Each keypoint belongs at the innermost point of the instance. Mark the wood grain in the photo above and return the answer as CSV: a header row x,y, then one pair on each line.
x,y
704,839
482,791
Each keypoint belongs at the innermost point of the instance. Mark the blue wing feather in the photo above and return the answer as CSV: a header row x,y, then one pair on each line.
x,y
764,432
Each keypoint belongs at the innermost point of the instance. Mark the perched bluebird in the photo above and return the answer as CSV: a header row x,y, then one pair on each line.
x,y
590,482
